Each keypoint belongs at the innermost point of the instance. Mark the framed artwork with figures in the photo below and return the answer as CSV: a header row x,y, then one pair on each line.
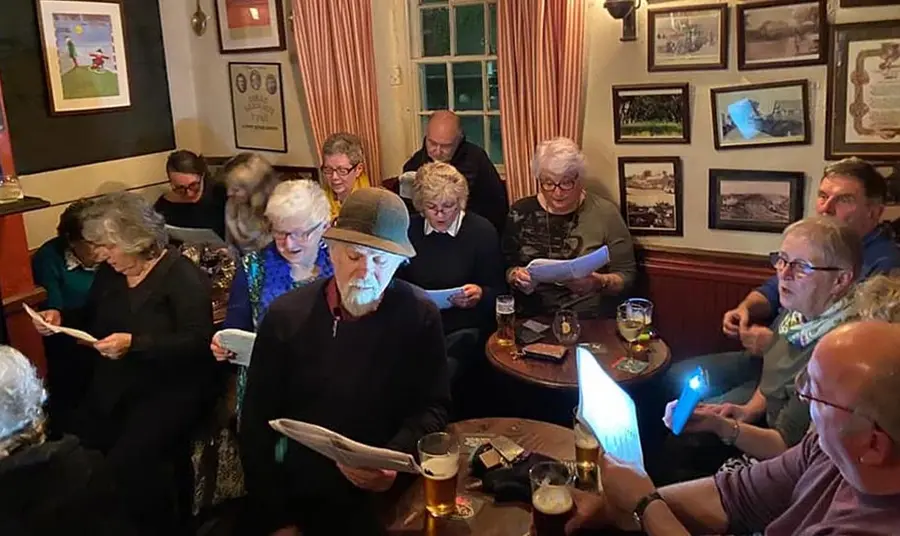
x,y
650,195
863,71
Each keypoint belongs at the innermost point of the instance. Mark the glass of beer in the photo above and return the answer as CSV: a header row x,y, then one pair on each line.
x,y
587,455
439,458
551,498
506,320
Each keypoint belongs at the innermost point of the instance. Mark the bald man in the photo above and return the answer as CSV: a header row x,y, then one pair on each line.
x,y
843,478
445,142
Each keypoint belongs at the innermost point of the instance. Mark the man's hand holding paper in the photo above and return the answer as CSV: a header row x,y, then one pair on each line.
x,y
369,479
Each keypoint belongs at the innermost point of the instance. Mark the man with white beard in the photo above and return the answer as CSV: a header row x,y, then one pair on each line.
x,y
359,354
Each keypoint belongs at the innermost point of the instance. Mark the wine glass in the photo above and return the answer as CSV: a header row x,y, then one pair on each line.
x,y
566,327
631,317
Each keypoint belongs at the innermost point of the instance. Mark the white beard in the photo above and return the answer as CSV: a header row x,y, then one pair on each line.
x,y
360,300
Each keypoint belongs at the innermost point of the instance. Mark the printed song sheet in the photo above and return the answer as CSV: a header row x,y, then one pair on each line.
x,y
240,342
195,236
441,298
77,333
344,450
553,271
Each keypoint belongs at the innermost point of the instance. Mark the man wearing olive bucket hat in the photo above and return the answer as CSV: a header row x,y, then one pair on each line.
x,y
359,354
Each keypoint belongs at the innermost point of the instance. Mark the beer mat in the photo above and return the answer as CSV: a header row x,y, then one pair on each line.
x,y
631,365
467,507
472,441
595,348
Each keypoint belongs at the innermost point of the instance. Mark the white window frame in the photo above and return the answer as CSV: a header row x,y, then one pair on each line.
x,y
417,59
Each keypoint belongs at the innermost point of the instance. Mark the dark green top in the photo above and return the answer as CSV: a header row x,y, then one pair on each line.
x,y
66,288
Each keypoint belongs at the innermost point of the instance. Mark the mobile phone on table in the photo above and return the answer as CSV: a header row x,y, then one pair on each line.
x,y
696,385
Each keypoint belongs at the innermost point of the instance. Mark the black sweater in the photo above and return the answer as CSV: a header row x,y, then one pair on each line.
x,y
207,213
443,261
380,380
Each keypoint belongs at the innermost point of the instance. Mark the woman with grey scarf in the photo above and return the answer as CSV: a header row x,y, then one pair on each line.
x,y
250,181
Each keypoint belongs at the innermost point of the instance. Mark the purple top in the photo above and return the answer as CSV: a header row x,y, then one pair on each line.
x,y
802,493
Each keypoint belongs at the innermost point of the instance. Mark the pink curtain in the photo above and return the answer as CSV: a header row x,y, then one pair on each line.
x,y
540,50
337,67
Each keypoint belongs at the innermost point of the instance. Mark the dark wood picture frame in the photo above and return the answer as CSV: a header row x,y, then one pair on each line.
x,y
868,3
754,222
234,119
618,102
836,91
822,22
677,197
653,66
804,91
279,22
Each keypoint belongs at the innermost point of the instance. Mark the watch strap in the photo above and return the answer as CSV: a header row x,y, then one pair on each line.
x,y
642,505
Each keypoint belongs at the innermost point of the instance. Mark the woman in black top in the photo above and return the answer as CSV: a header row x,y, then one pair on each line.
x,y
194,201
153,373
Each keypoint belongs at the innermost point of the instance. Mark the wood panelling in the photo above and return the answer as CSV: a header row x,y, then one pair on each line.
x,y
22,334
692,289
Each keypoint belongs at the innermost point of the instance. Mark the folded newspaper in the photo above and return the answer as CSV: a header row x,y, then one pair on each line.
x,y
239,342
344,450
189,235
71,332
553,271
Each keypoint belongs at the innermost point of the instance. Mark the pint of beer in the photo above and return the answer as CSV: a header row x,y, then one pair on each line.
x,y
506,320
439,458
587,455
551,499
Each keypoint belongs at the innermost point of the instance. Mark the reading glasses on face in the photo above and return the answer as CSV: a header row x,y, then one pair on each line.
x,y
798,267
188,188
296,235
801,386
340,172
549,186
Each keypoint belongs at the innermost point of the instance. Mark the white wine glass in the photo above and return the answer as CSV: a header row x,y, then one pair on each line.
x,y
631,317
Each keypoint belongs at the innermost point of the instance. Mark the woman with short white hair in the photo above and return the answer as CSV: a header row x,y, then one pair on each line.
x,y
564,222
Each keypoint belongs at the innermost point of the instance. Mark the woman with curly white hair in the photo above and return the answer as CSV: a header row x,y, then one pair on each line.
x,y
564,222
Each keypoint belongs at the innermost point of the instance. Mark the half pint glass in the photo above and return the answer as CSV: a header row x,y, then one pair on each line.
x,y
587,455
551,499
439,457
506,320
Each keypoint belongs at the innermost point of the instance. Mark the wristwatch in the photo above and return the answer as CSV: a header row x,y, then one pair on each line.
x,y
642,507
735,432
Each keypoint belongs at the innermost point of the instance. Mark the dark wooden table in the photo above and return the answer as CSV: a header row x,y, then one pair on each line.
x,y
565,375
407,516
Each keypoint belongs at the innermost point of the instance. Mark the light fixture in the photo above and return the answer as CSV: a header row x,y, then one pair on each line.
x,y
624,10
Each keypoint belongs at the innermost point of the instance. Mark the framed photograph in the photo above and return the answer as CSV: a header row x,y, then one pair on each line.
x,y
250,25
687,38
652,113
761,115
84,55
763,201
781,34
861,118
891,173
257,105
650,194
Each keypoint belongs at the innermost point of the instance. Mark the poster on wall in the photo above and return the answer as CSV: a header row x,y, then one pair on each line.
x,y
257,106
246,25
84,55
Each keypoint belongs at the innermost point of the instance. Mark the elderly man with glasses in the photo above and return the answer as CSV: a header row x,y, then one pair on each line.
x,y
843,478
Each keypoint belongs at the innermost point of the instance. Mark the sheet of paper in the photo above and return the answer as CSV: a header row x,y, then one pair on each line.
x,y
744,117
553,271
195,236
344,450
441,298
608,410
71,332
240,342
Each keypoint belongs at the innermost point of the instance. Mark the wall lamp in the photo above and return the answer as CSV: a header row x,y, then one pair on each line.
x,y
626,11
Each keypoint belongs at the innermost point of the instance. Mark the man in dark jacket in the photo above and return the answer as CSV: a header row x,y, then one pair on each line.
x,y
445,142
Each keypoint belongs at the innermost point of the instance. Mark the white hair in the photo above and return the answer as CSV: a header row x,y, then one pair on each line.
x,y
559,156
300,199
22,398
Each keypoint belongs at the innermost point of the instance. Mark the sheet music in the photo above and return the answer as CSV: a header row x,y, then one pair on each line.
x,y
553,271
344,450
441,298
195,236
608,410
71,332
238,341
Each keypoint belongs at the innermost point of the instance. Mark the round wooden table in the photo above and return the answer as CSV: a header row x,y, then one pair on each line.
x,y
565,375
407,515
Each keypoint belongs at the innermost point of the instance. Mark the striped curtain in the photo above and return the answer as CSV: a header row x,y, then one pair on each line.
x,y
540,50
337,67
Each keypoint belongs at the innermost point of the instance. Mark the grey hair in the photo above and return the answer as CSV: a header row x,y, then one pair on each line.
x,y
346,144
127,221
839,244
878,298
251,172
298,199
438,180
559,156
22,397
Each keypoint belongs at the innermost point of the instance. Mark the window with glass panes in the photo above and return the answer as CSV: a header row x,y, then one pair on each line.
x,y
455,57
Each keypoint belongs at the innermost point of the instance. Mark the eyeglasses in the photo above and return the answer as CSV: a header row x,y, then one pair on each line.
x,y
798,267
443,209
191,188
565,185
801,386
340,171
300,236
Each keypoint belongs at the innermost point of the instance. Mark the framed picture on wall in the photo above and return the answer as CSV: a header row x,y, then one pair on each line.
x,y
860,119
85,58
652,113
891,173
761,115
746,200
687,38
257,105
250,25
776,33
650,194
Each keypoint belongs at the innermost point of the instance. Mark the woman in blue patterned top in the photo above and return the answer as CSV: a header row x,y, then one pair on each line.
x,y
298,214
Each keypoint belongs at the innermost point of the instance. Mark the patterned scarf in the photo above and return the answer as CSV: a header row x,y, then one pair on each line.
x,y
801,332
